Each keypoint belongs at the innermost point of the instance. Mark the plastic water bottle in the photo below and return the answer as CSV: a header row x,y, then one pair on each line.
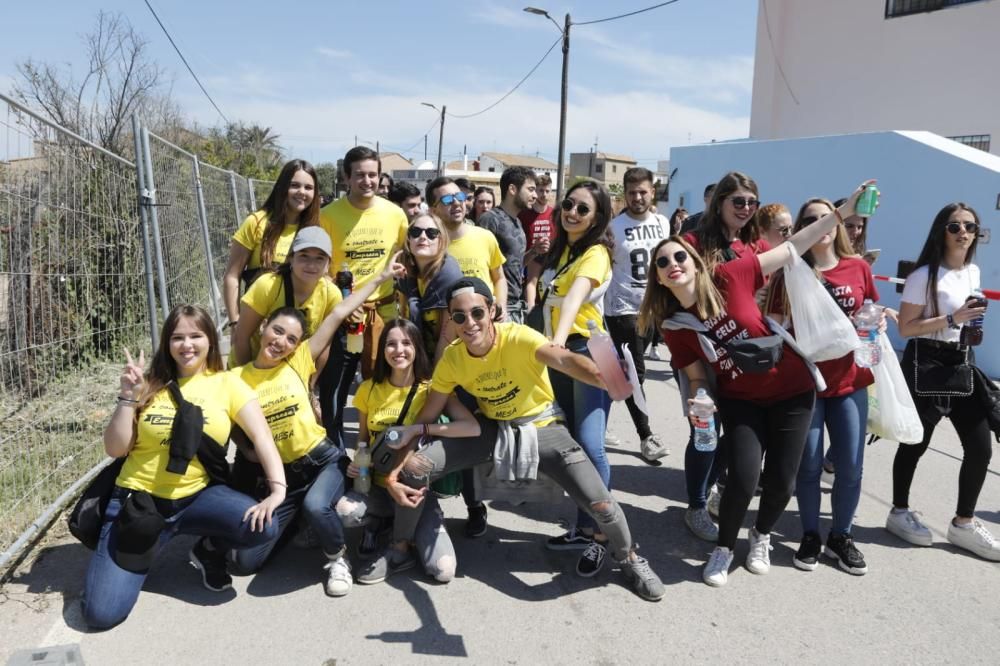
x,y
355,332
866,321
363,461
702,411
602,350
972,331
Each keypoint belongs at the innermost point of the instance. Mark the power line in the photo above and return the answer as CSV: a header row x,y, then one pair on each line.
x,y
414,146
777,61
184,60
620,16
511,91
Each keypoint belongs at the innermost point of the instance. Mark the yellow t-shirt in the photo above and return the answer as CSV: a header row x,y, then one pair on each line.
x,y
508,382
267,294
364,239
283,396
251,234
221,395
477,253
595,264
382,402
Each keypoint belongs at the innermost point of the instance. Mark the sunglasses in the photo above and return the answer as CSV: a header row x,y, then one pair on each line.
x,y
680,256
477,314
432,233
568,205
449,199
956,227
743,202
784,232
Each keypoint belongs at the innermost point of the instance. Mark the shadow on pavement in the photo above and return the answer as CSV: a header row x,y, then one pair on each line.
x,y
430,638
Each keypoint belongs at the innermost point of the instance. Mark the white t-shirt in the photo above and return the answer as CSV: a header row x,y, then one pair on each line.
x,y
634,243
953,288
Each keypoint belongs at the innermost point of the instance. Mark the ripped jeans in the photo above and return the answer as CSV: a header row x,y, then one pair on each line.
x,y
560,458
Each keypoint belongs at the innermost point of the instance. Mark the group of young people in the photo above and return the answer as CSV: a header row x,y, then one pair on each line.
x,y
472,338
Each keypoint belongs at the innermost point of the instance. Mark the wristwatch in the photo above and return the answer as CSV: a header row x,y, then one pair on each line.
x,y
951,322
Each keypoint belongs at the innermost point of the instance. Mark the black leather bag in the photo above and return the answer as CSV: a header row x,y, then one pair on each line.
x,y
756,355
87,517
941,369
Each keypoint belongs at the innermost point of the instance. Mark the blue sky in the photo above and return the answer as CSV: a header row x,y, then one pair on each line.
x,y
321,72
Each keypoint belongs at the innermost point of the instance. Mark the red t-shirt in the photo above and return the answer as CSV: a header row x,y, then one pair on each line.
x,y
852,283
738,280
537,225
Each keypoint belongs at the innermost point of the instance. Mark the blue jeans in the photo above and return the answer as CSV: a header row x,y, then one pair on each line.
x,y
846,418
701,468
316,498
110,592
586,409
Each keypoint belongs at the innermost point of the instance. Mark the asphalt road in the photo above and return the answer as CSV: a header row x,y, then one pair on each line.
x,y
514,602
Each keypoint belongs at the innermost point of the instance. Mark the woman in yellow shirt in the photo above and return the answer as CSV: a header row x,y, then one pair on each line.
x,y
301,282
262,241
163,481
401,369
578,273
280,377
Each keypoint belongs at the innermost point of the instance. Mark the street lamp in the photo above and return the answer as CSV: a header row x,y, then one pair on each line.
x,y
440,171
564,96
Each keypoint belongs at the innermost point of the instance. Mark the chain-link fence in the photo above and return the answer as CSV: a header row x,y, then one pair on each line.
x,y
72,294
78,257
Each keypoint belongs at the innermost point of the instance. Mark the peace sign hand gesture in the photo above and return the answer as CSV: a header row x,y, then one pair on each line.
x,y
132,377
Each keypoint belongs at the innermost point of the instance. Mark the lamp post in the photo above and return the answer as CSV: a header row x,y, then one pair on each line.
x,y
564,94
440,171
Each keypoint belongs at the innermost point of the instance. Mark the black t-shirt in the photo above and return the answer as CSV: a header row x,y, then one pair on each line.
x,y
510,237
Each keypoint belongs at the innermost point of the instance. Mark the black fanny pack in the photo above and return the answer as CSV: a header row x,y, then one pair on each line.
x,y
941,369
754,355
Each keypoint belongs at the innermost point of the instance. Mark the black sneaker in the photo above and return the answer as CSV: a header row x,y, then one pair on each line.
x,y
475,526
807,557
592,560
212,565
371,535
841,548
572,540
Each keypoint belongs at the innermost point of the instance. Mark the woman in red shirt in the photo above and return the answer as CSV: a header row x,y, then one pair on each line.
x,y
773,406
842,407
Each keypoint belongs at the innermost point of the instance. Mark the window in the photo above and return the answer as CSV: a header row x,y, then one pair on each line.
x,y
614,168
895,8
980,141
598,168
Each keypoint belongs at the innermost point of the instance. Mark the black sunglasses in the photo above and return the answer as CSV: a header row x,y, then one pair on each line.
x,y
743,202
680,256
956,227
581,208
477,314
431,232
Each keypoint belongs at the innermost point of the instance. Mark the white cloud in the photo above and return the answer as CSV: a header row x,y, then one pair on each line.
x,y
336,54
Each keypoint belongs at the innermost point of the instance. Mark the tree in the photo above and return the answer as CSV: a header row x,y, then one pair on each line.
x,y
121,79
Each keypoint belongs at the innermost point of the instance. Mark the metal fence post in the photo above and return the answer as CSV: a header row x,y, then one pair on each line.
x,y
203,219
140,180
161,273
253,197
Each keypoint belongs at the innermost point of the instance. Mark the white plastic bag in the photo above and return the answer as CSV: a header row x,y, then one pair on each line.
x,y
822,330
633,378
891,412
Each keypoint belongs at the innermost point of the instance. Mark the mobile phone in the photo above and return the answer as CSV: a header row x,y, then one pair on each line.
x,y
871,256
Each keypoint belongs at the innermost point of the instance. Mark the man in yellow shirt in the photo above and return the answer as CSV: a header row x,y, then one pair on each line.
x,y
365,230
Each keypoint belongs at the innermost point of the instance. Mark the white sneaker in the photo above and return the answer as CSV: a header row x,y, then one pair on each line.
x,y
653,449
716,571
907,526
339,580
611,440
976,539
701,524
759,557
654,355
714,501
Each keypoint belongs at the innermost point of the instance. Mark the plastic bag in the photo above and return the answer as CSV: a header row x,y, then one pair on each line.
x,y
891,412
633,378
822,330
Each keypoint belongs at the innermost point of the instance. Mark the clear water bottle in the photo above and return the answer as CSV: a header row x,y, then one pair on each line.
x,y
602,350
702,413
363,461
866,321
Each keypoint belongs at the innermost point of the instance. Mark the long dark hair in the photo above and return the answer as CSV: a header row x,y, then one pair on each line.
x,y
276,207
711,237
599,233
934,249
421,364
163,369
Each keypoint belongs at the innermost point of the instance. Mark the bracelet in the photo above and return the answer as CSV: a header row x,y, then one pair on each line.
x,y
127,400
951,321
280,483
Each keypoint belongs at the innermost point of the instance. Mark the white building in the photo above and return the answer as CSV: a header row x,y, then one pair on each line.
x,y
871,65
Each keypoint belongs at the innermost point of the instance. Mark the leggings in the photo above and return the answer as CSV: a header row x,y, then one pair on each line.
x,y
780,426
560,458
623,329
